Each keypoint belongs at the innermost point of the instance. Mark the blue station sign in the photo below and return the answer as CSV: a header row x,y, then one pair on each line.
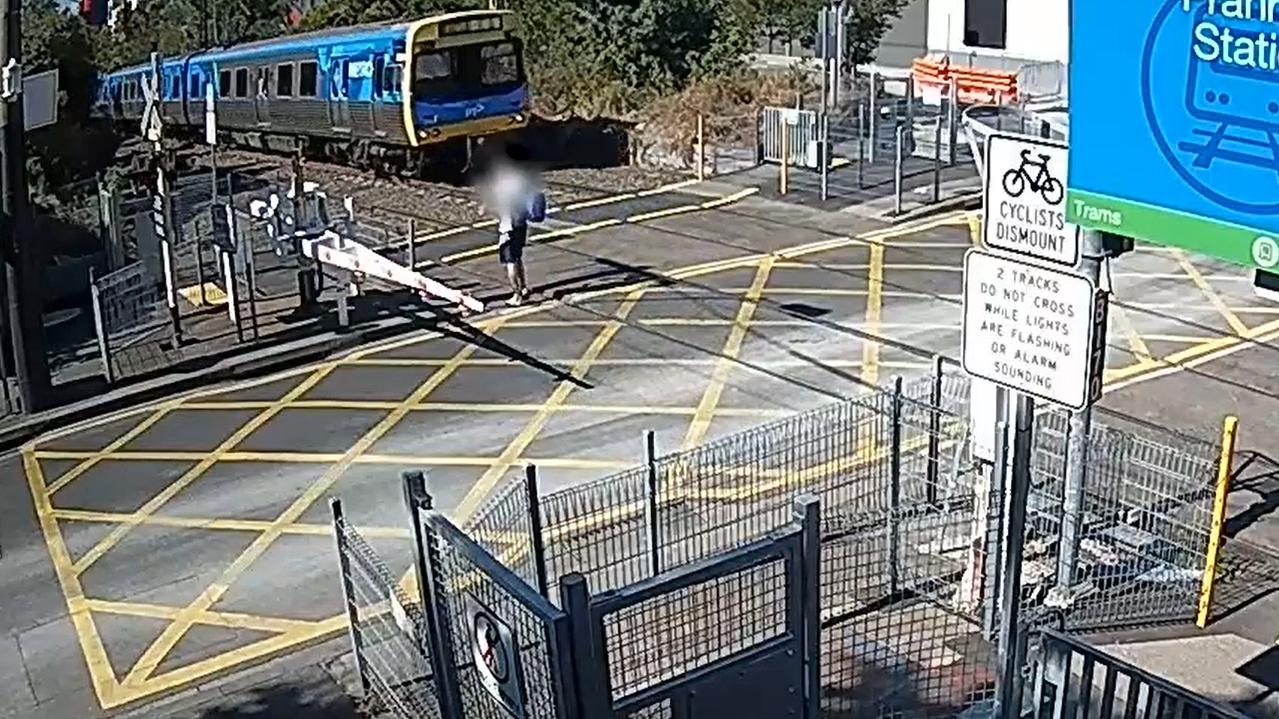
x,y
1174,124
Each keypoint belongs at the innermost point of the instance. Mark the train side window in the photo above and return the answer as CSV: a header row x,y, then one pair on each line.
x,y
340,79
308,80
379,64
177,87
195,88
391,79
263,88
284,81
224,83
242,82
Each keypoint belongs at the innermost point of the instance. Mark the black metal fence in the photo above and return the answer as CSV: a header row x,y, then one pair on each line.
x,y
1073,679
884,141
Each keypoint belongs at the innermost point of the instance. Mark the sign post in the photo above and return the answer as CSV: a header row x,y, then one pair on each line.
x,y
1034,327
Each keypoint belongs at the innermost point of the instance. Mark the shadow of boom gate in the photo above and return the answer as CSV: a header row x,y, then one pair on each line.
x,y
732,635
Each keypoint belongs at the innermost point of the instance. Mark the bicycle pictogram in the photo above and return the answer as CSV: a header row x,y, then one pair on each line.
x,y
1050,188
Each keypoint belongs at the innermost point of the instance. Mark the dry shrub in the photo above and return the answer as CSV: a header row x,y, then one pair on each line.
x,y
728,105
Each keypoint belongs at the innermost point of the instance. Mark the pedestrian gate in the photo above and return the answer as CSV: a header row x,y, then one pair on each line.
x,y
725,636
789,135
737,631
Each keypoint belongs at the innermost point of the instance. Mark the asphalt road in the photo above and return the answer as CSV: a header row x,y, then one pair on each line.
x,y
147,553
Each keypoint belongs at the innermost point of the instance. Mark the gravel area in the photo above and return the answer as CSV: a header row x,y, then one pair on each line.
x,y
436,205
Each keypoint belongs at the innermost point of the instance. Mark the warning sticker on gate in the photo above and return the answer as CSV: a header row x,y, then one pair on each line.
x,y
496,656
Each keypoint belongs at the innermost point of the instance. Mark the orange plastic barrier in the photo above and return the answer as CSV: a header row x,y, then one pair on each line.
x,y
973,85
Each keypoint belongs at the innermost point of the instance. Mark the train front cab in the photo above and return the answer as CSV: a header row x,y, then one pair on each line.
x,y
467,77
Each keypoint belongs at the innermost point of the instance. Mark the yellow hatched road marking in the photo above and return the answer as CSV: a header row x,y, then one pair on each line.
x,y
706,407
1213,298
169,638
101,675
516,447
202,466
230,620
94,457
222,524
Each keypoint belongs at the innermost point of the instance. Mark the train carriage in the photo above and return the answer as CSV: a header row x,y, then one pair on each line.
x,y
378,94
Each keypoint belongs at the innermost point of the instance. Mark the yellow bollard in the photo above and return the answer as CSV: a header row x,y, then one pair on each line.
x,y
1228,432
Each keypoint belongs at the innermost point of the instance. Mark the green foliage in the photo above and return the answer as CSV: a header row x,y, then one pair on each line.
x,y
867,23
591,57
781,19
54,38
173,27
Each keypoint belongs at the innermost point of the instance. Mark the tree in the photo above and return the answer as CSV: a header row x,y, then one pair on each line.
x,y
174,27
609,57
782,20
343,13
868,20
54,38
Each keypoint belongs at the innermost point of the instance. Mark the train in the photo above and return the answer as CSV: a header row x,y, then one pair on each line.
x,y
395,95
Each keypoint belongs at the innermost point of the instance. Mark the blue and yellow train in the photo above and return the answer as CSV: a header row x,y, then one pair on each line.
x,y
378,95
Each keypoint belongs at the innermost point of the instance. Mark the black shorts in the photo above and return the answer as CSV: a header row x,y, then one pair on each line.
x,y
511,249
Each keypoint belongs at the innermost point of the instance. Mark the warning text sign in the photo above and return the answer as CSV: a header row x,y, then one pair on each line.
x,y
1029,328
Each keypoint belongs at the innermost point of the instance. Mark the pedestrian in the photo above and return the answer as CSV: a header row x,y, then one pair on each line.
x,y
511,194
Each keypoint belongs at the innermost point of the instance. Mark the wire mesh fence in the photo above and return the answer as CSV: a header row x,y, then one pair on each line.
x,y
910,531
1145,524
387,631
880,141
466,589
132,321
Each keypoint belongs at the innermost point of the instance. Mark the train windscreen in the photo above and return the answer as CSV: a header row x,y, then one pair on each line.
x,y
466,72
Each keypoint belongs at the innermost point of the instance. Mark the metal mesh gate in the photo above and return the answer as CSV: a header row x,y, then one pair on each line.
x,y
388,629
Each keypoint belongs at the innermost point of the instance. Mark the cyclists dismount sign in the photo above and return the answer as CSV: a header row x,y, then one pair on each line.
x,y
1026,199
496,656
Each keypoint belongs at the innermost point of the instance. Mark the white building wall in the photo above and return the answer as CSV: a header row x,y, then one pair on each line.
x,y
1037,31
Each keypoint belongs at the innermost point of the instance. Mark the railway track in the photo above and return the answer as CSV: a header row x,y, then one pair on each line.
x,y
391,202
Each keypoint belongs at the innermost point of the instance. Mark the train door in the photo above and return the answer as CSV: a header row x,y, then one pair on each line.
x,y
376,97
262,95
195,96
339,88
